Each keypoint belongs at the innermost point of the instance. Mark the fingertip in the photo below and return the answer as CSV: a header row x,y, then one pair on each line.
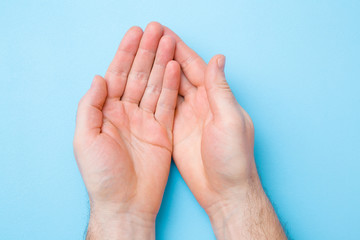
x,y
174,64
218,61
98,81
98,91
135,33
151,37
97,77
130,41
221,61
136,29
172,75
173,68
167,41
95,81
154,23
215,70
154,27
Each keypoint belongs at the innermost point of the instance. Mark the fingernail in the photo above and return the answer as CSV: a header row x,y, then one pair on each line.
x,y
221,62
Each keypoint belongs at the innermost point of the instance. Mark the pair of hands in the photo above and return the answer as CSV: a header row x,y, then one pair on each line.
x,y
149,108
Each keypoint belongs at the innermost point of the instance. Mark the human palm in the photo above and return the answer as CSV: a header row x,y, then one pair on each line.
x,y
127,129
123,139
213,135
133,152
205,148
192,116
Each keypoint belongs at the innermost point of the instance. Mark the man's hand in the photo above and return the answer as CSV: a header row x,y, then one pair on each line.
x,y
213,150
123,138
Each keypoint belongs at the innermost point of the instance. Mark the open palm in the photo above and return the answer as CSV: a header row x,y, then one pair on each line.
x,y
123,140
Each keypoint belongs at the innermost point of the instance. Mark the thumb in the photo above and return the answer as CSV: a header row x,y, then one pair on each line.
x,y
89,117
218,91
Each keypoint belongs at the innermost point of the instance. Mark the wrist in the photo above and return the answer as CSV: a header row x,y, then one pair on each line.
x,y
248,213
120,225
231,212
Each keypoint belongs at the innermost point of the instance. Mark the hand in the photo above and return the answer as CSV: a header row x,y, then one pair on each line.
x,y
213,150
123,137
213,135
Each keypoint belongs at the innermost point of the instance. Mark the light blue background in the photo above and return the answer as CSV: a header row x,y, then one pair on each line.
x,y
293,65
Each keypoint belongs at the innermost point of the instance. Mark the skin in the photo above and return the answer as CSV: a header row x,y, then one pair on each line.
x,y
123,138
128,129
213,150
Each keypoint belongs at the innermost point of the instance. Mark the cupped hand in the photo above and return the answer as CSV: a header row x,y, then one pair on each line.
x,y
214,151
213,135
123,138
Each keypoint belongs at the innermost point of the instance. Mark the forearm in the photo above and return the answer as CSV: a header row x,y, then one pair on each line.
x,y
123,226
249,216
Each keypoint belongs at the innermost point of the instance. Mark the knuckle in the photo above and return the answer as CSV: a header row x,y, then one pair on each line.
x,y
118,73
153,89
187,62
164,106
138,76
224,86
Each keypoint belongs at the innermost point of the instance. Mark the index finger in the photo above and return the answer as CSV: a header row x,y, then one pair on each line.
x,y
191,63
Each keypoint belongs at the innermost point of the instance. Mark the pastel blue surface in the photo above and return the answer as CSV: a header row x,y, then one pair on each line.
x,y
293,65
